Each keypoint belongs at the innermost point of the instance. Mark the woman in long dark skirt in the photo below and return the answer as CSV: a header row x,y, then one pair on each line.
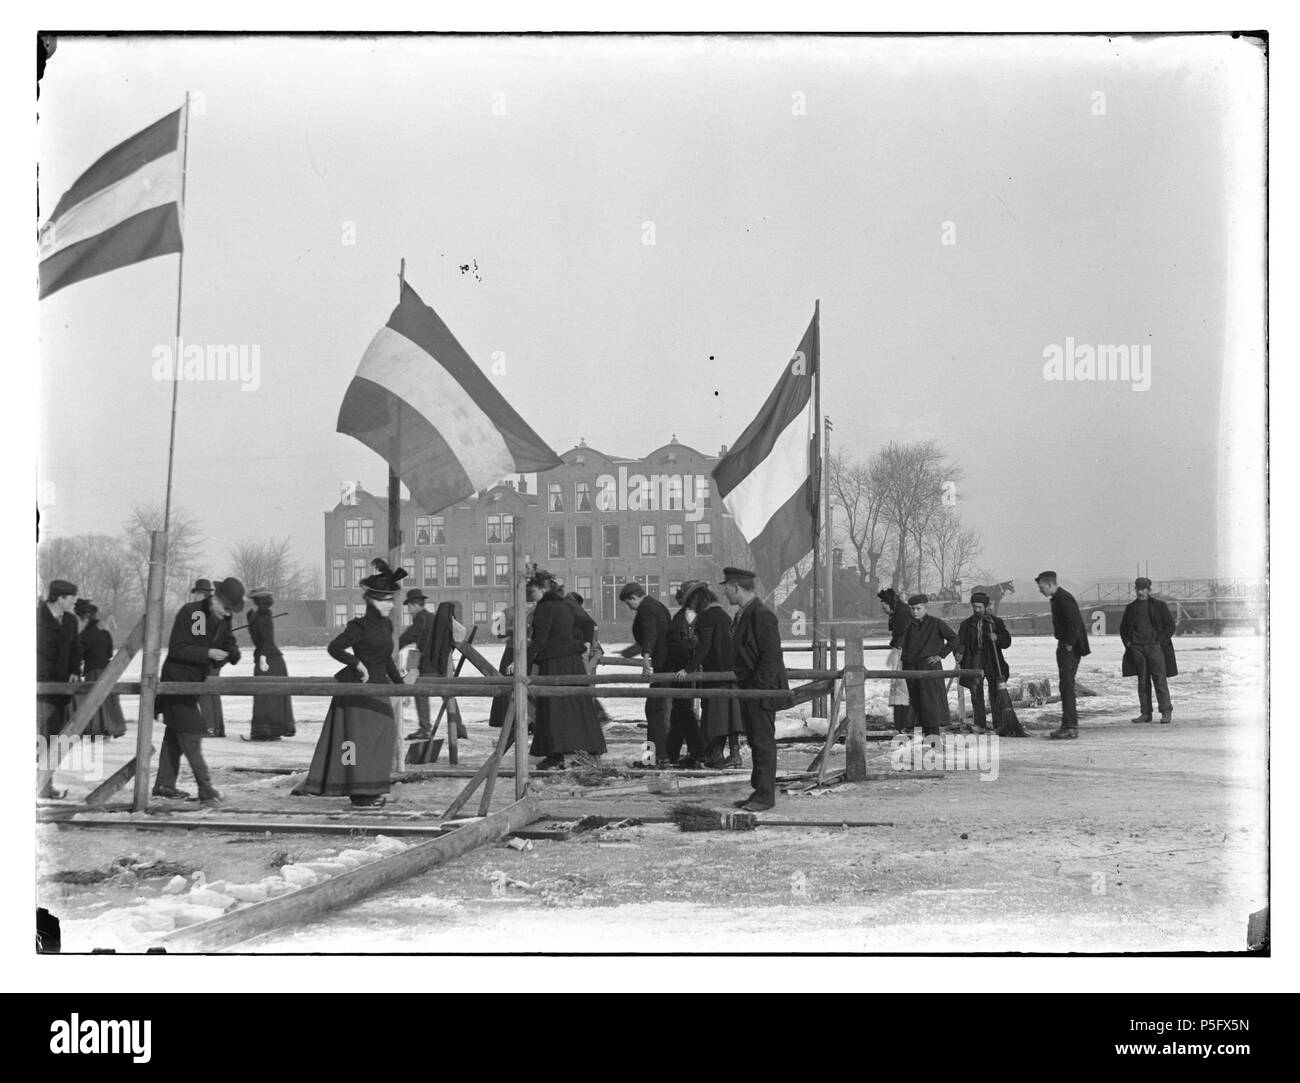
x,y
714,652
354,756
683,715
96,653
563,724
272,715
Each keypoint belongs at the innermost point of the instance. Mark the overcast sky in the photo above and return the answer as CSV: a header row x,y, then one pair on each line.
x,y
775,172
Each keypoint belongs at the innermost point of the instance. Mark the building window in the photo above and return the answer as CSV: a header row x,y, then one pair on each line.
x,y
503,570
430,571
582,584
582,495
493,529
406,617
582,541
359,569
651,584
340,615
368,532
359,610
351,532
674,493
436,524
480,571
703,492
557,542
422,533
338,573
648,540
480,612
453,571
507,528
555,497
673,586
676,540
703,539
611,541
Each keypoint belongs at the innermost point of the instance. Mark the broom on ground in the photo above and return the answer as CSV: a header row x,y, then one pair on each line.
x,y
699,818
1008,725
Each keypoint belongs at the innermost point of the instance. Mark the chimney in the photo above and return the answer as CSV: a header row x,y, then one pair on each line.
x,y
523,484
722,450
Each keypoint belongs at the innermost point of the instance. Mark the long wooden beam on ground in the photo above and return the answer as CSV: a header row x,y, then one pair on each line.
x,y
275,827
350,887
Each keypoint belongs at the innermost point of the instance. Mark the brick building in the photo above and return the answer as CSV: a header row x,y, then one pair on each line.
x,y
598,521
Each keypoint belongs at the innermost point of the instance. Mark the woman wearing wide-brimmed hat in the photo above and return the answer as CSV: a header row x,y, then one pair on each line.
x,y
272,714
714,652
563,724
354,756
96,653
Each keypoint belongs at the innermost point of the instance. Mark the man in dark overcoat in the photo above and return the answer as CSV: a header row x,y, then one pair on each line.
x,y
759,663
1146,631
650,641
418,634
58,658
1071,646
926,643
201,637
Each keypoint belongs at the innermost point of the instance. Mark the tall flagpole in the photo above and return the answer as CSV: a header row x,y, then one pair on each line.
x,y
816,479
180,283
395,555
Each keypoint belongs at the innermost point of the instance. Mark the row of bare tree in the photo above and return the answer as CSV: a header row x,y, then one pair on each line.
x,y
113,570
896,519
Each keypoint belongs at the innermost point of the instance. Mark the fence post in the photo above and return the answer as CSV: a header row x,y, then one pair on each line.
x,y
521,665
855,700
153,626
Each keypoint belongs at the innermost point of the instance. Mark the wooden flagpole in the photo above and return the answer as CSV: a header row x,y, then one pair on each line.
x,y
819,707
176,357
521,666
395,550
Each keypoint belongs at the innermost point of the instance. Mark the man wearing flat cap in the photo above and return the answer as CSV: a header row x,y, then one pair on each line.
x,y
1147,631
759,663
58,658
926,643
201,638
983,637
1071,645
650,641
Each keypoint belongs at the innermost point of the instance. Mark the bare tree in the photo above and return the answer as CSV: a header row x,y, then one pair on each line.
x,y
914,483
184,549
102,569
271,564
951,548
857,494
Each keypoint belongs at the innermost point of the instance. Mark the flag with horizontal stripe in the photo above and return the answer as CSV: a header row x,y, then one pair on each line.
x,y
419,401
768,480
125,208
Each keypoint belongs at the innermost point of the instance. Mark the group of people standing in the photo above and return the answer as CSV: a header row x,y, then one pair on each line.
x,y
920,641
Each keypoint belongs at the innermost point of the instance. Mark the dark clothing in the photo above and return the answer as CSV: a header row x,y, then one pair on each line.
x,y
900,620
58,657
650,632
759,663
1067,623
980,646
563,723
96,653
195,631
96,648
926,638
1165,625
417,633
177,743
354,755
683,726
584,628
1146,631
715,652
1067,665
1143,627
272,715
1071,645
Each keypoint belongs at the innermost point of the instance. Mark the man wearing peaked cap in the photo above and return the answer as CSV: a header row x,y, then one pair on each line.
x,y
926,643
1071,646
1146,631
202,589
738,575
201,638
